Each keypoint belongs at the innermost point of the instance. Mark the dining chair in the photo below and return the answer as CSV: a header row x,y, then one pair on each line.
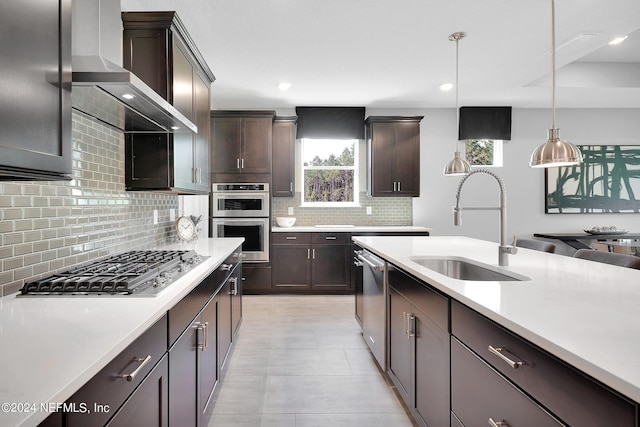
x,y
622,260
538,245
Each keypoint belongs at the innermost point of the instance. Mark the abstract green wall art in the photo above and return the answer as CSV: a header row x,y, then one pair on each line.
x,y
607,182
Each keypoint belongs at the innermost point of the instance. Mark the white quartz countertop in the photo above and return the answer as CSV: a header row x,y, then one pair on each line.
x,y
584,312
346,228
51,346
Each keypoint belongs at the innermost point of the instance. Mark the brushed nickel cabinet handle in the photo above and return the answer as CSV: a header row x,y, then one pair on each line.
x,y
291,238
498,351
237,163
493,423
399,186
330,238
132,375
411,325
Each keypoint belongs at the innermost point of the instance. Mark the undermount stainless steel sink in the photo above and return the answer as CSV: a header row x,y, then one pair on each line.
x,y
464,269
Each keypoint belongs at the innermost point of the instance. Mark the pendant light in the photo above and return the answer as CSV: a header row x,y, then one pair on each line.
x,y
555,152
457,166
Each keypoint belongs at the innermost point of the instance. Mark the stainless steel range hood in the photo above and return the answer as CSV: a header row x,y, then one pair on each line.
x,y
102,88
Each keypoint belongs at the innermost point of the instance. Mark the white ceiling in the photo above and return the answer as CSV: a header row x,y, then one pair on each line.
x,y
395,53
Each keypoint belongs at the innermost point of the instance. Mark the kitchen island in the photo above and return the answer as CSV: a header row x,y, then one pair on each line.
x,y
581,312
51,346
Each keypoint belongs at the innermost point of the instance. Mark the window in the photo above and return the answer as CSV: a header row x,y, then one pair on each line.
x,y
330,172
484,152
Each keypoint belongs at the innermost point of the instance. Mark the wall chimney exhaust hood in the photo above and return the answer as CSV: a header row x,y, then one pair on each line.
x,y
102,88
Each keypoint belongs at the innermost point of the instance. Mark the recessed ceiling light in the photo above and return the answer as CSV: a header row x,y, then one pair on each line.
x,y
618,40
128,96
175,127
284,86
445,87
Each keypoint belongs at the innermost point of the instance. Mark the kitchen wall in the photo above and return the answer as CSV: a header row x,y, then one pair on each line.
x,y
524,185
49,226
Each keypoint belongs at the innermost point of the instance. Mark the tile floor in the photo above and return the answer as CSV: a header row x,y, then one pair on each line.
x,y
300,361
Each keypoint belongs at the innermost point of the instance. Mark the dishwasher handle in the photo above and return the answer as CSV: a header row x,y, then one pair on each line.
x,y
374,266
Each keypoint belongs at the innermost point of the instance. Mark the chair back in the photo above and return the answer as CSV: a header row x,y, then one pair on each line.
x,y
538,245
622,260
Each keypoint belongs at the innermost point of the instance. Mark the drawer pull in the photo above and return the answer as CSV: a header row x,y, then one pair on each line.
x,y
132,375
331,238
498,352
291,238
226,267
493,423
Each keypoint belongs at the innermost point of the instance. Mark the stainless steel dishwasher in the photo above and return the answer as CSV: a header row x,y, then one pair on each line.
x,y
374,303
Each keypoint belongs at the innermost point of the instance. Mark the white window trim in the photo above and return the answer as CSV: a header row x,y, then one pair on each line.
x,y
356,180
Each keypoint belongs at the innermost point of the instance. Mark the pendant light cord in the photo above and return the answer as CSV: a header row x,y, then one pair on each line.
x,y
457,108
553,64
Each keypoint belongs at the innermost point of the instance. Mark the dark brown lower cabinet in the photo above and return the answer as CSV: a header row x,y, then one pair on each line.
x,y
419,348
312,262
481,396
570,395
148,405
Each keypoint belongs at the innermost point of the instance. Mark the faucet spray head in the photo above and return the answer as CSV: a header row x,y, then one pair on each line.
x,y
457,216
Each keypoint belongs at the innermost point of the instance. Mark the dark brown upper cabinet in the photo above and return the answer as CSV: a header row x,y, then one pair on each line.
x,y
35,90
283,178
158,49
241,142
393,155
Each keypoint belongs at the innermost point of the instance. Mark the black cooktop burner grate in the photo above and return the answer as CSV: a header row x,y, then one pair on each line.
x,y
122,273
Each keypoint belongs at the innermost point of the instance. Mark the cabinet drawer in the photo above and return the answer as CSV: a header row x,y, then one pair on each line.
x,y
182,314
427,300
331,238
569,394
109,388
479,393
290,238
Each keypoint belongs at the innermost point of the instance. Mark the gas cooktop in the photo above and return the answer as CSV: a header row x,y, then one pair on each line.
x,y
142,273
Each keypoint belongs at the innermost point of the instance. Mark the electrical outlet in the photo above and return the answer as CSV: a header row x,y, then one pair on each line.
x,y
155,217
369,210
290,210
172,214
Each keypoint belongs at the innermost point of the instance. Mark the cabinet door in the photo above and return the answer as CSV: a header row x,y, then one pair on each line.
x,y
431,354
330,267
207,360
35,89
225,147
283,158
148,405
182,96
183,371
407,159
256,145
291,265
399,343
203,121
382,159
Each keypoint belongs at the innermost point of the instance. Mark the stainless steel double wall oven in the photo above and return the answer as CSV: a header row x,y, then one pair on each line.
x,y
242,210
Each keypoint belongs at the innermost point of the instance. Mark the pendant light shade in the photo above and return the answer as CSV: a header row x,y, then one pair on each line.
x,y
457,166
555,152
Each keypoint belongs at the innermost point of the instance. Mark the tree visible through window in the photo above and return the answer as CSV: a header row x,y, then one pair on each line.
x,y
329,171
483,152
